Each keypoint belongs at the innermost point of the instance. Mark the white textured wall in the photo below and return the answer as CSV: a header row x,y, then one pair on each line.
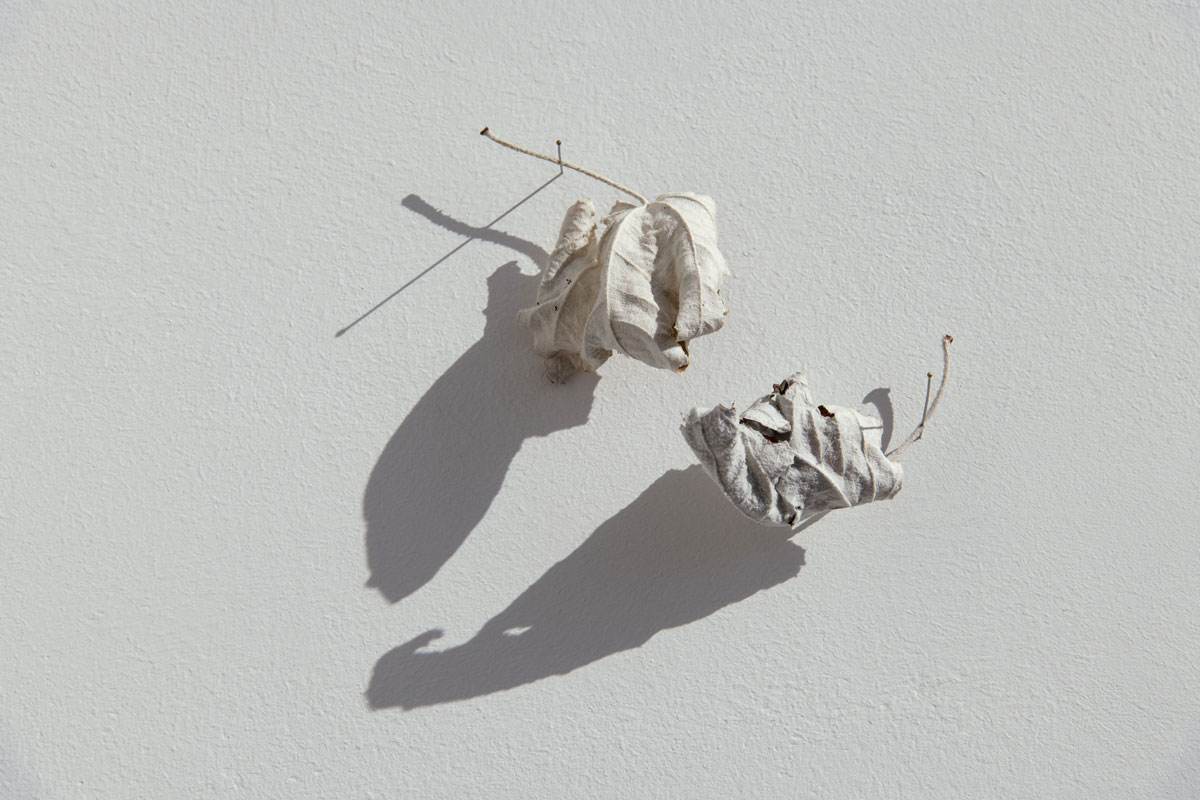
x,y
200,480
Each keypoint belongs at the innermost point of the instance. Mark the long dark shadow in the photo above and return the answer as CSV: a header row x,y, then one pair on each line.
x,y
414,203
440,471
675,555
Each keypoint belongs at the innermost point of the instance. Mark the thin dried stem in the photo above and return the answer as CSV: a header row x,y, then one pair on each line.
x,y
928,415
561,164
928,385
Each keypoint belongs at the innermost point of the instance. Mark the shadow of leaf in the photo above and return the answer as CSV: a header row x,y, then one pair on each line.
x,y
881,398
678,553
444,465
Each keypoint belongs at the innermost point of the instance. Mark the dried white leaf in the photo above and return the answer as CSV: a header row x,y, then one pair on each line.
x,y
644,282
785,459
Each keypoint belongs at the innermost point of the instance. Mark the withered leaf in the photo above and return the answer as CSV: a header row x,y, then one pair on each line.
x,y
786,459
644,282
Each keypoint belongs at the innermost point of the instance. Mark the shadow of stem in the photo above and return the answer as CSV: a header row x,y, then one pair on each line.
x,y
485,233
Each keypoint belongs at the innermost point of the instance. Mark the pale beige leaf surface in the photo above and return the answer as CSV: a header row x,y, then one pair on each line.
x,y
786,459
644,282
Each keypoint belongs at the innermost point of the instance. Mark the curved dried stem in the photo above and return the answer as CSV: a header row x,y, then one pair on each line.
x,y
920,429
561,164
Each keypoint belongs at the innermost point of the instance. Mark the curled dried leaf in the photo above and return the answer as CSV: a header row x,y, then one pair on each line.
x,y
786,459
644,282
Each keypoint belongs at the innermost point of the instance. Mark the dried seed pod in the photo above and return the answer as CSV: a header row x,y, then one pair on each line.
x,y
643,283
785,459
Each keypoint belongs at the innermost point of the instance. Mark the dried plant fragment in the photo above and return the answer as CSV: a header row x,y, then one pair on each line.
x,y
644,282
785,459
570,283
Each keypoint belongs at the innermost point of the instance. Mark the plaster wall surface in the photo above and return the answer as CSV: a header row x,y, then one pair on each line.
x,y
246,557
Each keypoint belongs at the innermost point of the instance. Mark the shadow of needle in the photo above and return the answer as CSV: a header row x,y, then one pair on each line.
x,y
463,244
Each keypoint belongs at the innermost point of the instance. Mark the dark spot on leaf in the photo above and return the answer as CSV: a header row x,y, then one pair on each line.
x,y
825,412
781,387
771,435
